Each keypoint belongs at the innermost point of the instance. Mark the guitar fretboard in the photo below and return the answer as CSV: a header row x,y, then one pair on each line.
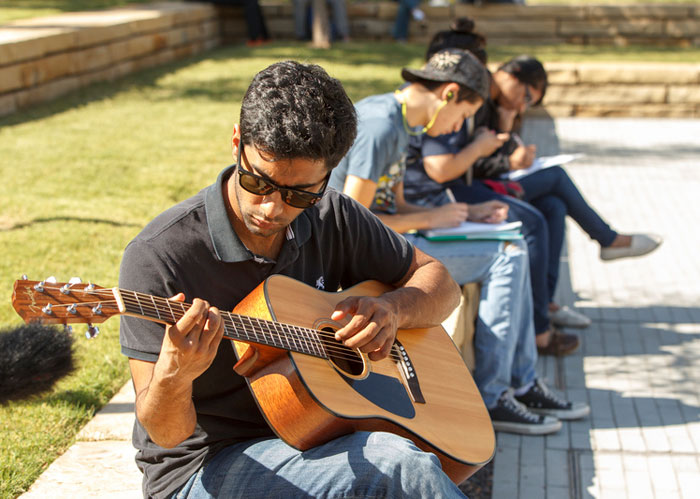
x,y
236,327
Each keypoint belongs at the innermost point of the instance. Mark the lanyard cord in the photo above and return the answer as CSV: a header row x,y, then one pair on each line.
x,y
427,127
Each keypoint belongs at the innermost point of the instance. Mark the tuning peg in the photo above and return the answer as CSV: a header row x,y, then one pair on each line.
x,y
24,277
67,328
92,331
50,280
39,286
75,280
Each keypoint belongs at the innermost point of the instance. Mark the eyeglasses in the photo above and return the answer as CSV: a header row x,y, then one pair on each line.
x,y
260,186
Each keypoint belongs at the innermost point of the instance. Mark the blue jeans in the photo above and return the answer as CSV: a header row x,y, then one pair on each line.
x,y
504,344
555,195
536,237
403,18
357,465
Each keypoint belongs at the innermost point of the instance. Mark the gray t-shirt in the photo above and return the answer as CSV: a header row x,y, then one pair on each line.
x,y
192,248
379,151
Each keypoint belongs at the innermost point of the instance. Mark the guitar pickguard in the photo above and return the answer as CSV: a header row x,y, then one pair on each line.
x,y
385,392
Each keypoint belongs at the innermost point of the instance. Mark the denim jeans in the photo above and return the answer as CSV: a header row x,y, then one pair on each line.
x,y
358,465
553,193
403,19
504,340
536,237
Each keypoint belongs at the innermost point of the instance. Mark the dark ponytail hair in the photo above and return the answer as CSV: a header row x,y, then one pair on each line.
x,y
461,35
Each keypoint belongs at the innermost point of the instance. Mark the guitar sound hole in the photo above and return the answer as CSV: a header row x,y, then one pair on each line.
x,y
345,359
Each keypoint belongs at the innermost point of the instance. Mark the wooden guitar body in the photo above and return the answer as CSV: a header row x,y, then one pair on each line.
x,y
309,387
309,400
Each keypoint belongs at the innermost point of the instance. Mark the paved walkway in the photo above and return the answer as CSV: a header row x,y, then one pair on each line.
x,y
639,367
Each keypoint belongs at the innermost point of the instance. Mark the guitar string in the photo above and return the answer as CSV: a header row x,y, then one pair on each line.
x,y
327,342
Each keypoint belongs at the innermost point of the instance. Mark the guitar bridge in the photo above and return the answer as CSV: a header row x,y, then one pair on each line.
x,y
408,373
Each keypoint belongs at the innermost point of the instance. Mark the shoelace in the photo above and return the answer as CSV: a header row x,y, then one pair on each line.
x,y
519,408
549,395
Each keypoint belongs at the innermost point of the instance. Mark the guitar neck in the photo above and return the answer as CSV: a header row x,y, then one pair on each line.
x,y
236,327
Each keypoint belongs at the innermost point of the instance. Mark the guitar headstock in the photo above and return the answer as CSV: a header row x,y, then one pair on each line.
x,y
51,302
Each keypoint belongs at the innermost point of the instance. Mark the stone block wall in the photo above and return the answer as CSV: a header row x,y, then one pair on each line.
x,y
666,25
630,89
43,58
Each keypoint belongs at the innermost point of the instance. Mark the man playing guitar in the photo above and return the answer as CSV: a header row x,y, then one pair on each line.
x,y
199,432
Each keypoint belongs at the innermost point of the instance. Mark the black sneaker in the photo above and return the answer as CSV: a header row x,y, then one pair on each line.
x,y
511,416
539,399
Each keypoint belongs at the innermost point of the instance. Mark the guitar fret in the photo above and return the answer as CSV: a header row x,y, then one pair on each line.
x,y
321,349
138,302
170,309
255,334
153,299
304,335
291,335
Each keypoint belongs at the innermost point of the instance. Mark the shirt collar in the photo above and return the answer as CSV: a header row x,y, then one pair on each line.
x,y
227,245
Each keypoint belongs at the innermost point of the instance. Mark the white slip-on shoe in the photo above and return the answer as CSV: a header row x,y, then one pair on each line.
x,y
641,245
568,317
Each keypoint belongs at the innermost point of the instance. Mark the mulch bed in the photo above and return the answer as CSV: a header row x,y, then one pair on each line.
x,y
479,484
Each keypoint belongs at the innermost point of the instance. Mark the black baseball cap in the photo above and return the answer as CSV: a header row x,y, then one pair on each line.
x,y
452,65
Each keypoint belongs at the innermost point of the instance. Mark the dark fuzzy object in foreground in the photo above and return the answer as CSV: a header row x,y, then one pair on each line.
x,y
32,358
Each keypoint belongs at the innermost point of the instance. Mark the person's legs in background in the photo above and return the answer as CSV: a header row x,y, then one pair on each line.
x,y
534,229
340,19
403,18
301,15
554,181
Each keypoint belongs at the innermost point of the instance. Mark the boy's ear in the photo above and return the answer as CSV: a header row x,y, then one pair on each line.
x,y
450,91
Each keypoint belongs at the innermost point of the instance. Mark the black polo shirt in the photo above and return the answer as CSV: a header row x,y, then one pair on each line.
x,y
192,248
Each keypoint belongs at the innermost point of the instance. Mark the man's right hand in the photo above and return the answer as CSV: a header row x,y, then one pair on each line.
x,y
448,215
522,157
190,345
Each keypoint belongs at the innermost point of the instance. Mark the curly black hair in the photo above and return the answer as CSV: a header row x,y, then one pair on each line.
x,y
294,110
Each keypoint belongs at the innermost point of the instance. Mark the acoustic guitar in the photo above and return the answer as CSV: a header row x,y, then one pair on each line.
x,y
310,387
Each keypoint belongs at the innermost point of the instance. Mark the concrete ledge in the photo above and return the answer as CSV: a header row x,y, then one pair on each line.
x,y
629,89
43,58
101,463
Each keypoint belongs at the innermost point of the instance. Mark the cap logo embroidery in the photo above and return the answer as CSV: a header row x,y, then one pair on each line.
x,y
444,60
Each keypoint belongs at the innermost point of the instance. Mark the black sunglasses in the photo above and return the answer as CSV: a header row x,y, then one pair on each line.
x,y
260,186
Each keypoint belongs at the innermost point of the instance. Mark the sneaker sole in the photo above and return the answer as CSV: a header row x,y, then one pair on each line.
x,y
527,429
579,413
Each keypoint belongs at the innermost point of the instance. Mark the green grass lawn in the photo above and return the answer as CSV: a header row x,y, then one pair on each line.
x,y
83,174
11,10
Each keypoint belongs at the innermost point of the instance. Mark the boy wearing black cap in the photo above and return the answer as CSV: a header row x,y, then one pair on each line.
x,y
439,97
